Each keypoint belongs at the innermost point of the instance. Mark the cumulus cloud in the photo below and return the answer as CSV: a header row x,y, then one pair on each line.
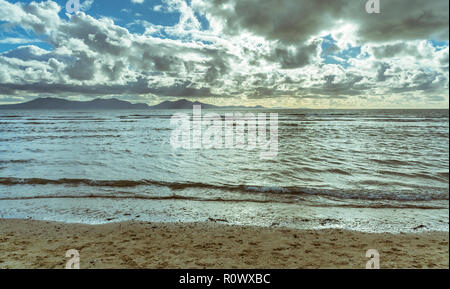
x,y
309,51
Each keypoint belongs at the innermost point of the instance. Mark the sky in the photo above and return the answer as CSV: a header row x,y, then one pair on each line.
x,y
289,53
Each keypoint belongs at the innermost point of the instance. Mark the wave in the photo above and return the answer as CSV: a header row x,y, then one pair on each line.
x,y
53,137
443,175
15,161
139,197
218,199
414,175
150,116
410,195
332,171
392,162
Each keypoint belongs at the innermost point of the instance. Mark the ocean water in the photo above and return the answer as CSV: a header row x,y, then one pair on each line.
x,y
367,170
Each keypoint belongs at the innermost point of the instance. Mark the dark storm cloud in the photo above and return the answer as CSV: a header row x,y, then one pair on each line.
x,y
422,81
288,21
114,71
83,68
347,86
140,87
382,68
294,58
393,50
329,88
295,21
268,92
406,20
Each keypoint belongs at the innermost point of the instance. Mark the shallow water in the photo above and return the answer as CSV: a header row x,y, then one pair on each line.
x,y
369,170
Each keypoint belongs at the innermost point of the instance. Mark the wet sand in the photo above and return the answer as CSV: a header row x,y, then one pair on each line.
x,y
38,244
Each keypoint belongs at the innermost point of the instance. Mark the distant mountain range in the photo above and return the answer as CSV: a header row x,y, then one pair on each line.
x,y
106,104
63,104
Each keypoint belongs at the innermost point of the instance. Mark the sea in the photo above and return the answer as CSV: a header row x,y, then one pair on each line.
x,y
362,170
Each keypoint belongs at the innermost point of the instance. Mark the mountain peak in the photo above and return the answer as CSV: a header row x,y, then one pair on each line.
x,y
181,104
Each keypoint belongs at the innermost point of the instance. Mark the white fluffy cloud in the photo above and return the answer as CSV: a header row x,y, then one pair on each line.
x,y
252,51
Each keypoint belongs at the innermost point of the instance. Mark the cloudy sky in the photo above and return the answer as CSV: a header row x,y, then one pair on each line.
x,y
288,53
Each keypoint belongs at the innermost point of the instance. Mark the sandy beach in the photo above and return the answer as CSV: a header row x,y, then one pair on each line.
x,y
38,244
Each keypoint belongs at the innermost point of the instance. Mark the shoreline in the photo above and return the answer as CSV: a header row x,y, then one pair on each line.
x,y
305,215
42,244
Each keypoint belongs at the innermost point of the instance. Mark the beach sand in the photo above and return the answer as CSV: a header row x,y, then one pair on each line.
x,y
38,244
